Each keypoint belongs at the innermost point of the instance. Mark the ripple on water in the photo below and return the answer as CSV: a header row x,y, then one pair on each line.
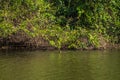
x,y
68,65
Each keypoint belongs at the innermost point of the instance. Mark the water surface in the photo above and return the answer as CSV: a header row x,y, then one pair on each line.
x,y
52,65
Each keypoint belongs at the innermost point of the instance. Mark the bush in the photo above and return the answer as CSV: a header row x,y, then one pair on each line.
x,y
71,23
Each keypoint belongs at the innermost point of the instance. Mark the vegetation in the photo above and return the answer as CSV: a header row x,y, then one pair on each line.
x,y
74,24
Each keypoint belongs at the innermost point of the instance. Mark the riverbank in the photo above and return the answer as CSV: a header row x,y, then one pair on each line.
x,y
117,47
23,42
49,25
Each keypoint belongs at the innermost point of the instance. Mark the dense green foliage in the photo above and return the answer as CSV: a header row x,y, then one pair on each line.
x,y
64,23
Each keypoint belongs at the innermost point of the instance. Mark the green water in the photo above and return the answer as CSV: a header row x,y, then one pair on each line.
x,y
52,65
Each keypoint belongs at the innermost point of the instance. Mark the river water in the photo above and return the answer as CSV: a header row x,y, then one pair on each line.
x,y
67,65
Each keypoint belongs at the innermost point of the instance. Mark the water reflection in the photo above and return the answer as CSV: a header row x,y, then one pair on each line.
x,y
68,65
